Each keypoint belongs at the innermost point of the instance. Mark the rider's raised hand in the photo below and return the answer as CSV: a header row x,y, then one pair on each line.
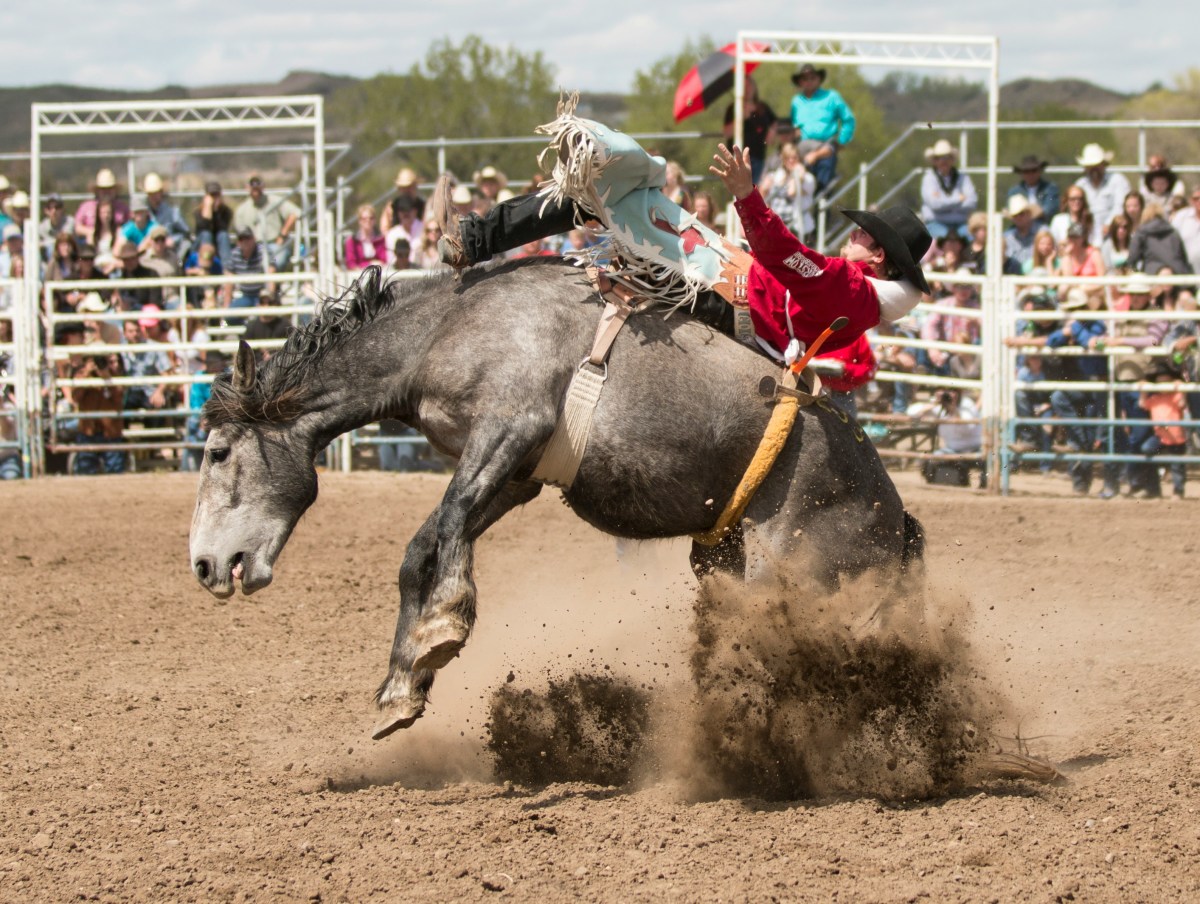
x,y
732,166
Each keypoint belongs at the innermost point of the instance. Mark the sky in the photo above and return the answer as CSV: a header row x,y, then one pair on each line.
x,y
129,45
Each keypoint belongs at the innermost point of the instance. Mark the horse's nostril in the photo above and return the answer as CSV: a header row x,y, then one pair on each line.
x,y
203,569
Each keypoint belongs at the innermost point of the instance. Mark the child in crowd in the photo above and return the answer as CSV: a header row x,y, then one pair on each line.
x,y
1166,406
197,429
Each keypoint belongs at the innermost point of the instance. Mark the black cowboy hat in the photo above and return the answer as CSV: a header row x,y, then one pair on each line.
x,y
902,236
807,69
1166,172
1030,162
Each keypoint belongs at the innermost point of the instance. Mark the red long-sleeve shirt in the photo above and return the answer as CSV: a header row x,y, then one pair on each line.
x,y
858,362
822,288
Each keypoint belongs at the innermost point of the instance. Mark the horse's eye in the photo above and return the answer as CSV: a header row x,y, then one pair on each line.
x,y
216,456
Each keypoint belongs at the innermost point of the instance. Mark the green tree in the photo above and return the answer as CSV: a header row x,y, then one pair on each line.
x,y
652,103
1181,102
467,90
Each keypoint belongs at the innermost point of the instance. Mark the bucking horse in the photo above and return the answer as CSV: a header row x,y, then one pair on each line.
x,y
481,366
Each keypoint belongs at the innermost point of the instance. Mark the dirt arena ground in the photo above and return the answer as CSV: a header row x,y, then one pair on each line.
x,y
158,744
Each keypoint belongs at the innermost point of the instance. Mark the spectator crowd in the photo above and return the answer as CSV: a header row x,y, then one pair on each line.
x,y
134,238
1093,224
1100,225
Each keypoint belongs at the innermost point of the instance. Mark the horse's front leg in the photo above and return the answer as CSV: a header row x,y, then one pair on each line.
x,y
403,695
471,505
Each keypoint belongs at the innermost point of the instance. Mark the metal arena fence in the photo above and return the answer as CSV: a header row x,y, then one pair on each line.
x,y
38,372
41,370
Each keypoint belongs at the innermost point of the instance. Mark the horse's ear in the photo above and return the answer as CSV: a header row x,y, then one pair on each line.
x,y
243,368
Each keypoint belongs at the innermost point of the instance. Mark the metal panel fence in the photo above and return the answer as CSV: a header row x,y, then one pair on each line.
x,y
1093,411
151,407
1025,424
14,427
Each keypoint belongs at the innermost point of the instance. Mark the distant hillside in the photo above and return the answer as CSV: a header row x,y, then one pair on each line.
x,y
905,99
1083,98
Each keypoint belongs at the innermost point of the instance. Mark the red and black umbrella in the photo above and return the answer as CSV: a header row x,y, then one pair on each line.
x,y
709,79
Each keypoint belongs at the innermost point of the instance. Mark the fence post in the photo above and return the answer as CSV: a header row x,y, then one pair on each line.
x,y
862,187
1005,312
339,222
991,357
964,147
303,230
29,353
441,155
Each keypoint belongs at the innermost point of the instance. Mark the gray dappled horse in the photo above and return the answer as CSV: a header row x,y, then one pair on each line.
x,y
481,368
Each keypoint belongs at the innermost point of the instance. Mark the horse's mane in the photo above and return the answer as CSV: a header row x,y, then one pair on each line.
x,y
283,385
279,389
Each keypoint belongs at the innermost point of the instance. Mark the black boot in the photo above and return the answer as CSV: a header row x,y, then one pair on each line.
x,y
712,310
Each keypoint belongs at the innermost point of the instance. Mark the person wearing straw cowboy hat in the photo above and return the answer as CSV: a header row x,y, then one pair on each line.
x,y
1105,191
489,181
406,183
104,188
825,121
1075,404
1018,238
1140,335
948,197
165,213
1036,188
6,190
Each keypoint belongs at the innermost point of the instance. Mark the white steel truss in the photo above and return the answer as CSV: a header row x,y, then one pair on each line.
x,y
103,118
874,50
67,120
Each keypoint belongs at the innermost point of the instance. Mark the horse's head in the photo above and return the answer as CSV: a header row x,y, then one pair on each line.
x,y
257,479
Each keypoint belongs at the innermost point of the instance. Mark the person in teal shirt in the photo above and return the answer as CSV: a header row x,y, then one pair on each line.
x,y
137,228
825,121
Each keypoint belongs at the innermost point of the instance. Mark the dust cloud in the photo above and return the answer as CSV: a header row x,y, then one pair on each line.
x,y
794,692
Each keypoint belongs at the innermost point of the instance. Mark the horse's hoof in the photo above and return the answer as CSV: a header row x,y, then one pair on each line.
x,y
395,718
438,642
439,654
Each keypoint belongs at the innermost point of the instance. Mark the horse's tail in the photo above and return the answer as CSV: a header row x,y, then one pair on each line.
x,y
914,542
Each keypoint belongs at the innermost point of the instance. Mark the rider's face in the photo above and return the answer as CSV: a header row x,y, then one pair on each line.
x,y
861,247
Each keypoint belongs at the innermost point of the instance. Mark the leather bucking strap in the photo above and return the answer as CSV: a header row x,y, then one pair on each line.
x,y
560,460
618,305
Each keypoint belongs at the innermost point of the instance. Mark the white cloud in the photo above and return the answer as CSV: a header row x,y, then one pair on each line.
x,y
596,47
